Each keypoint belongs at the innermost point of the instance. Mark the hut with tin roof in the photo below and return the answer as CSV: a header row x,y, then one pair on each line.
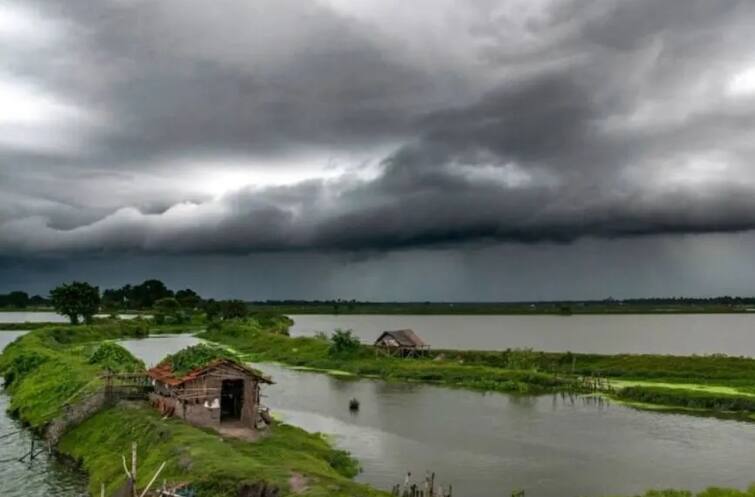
x,y
218,391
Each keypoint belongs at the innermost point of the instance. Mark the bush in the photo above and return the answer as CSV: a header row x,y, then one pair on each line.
x,y
522,359
112,357
343,342
21,365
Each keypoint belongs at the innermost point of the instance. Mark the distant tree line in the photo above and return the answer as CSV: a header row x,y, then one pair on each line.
x,y
80,301
22,300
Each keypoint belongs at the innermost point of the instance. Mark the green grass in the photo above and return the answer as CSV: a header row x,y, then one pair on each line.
x,y
710,492
50,367
215,466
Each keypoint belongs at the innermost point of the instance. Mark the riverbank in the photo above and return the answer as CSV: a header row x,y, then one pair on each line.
x,y
52,368
566,308
716,385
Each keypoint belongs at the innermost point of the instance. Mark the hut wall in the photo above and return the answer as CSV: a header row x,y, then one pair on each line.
x,y
198,401
249,407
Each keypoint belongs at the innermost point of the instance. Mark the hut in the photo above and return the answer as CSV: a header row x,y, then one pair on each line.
x,y
402,343
222,391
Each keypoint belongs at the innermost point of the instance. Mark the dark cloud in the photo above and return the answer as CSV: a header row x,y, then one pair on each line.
x,y
562,120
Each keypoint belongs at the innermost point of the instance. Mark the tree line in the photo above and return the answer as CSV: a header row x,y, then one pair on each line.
x,y
80,301
22,300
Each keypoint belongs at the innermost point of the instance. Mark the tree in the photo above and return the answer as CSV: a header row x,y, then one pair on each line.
x,y
188,298
76,299
169,308
18,299
212,310
235,309
116,298
145,295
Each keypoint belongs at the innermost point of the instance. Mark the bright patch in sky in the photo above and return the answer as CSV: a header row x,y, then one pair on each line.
x,y
743,83
25,106
19,24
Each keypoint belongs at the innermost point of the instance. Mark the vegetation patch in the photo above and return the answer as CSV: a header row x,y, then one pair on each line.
x,y
709,492
214,466
343,353
691,399
50,367
112,357
195,357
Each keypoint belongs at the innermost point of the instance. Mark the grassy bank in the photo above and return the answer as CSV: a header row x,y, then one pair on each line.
x,y
714,384
215,466
710,492
49,368
257,344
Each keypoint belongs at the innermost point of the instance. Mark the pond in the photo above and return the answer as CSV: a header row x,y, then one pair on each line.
x,y
45,476
677,334
489,444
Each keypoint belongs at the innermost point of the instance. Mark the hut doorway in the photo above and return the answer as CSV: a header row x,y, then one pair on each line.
x,y
231,400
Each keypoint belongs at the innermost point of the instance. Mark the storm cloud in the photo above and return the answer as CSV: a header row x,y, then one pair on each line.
x,y
236,127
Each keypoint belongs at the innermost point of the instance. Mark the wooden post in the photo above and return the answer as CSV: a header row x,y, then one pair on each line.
x,y
102,490
133,467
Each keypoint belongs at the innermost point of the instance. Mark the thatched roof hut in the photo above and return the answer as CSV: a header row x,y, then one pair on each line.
x,y
401,342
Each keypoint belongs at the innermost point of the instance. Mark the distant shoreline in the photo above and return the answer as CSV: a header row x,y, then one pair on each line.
x,y
498,309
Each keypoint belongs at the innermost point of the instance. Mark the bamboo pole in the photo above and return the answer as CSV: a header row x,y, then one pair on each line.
x,y
152,480
133,467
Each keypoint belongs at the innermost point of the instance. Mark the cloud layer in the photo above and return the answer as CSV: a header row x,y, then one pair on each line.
x,y
236,127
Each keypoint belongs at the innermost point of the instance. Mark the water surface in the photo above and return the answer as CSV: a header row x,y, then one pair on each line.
x,y
678,334
46,317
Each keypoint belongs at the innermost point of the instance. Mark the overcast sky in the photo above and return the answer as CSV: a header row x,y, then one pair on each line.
x,y
380,149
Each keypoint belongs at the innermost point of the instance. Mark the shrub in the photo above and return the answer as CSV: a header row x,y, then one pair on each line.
x,y
112,357
343,342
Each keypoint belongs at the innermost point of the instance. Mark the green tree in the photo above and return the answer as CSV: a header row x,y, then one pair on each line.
x,y
188,298
212,310
169,309
235,309
18,299
145,295
76,299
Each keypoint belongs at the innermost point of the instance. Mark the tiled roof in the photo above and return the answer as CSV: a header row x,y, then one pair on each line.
x,y
164,374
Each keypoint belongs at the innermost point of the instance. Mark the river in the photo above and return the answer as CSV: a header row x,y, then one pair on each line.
x,y
46,317
677,334
46,476
488,444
